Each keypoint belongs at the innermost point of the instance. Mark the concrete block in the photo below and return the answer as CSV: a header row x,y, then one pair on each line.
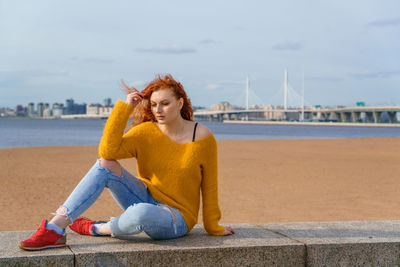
x,y
250,246
12,255
357,243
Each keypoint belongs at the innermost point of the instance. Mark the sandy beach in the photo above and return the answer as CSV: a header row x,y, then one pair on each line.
x,y
260,181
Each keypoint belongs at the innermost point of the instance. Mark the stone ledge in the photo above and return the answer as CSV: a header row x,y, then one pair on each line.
x,y
374,243
12,255
358,243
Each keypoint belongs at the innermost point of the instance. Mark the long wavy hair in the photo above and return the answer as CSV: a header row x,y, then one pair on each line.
x,y
142,111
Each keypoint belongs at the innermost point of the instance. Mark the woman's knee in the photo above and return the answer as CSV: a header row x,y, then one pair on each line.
x,y
133,220
140,213
140,210
111,165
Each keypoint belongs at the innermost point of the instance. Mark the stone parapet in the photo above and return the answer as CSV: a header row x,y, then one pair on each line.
x,y
367,243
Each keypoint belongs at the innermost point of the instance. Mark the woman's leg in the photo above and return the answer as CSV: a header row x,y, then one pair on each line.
x,y
157,220
142,212
125,188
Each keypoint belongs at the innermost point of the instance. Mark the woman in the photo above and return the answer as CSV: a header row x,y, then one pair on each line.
x,y
176,159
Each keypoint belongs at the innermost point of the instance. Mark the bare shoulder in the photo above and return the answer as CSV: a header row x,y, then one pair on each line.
x,y
202,131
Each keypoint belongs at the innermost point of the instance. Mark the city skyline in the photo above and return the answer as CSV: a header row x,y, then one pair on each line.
x,y
221,111
111,103
347,50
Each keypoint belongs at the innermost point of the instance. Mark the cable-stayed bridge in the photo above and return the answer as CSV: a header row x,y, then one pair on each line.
x,y
345,114
301,113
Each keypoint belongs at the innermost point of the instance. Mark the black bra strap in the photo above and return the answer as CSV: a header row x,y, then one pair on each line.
x,y
194,131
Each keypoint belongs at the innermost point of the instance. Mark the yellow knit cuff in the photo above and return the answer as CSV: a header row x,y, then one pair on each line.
x,y
123,106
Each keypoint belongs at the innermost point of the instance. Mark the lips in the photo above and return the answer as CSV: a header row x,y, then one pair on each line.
x,y
160,117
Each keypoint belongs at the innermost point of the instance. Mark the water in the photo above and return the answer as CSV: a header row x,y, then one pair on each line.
x,y
34,132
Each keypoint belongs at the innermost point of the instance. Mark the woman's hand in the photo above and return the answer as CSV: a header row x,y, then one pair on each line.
x,y
228,231
134,98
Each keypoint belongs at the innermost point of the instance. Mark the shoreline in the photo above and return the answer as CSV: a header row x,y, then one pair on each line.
x,y
219,140
291,123
299,123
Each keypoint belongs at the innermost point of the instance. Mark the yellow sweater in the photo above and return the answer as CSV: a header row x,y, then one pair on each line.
x,y
174,173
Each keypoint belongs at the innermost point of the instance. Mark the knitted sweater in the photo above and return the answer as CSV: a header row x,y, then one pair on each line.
x,y
174,173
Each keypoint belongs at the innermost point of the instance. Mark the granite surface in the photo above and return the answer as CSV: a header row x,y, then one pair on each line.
x,y
357,243
12,255
248,246
365,243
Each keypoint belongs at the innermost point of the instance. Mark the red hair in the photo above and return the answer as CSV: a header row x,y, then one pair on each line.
x,y
142,111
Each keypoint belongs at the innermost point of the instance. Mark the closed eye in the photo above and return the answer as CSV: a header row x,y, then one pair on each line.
x,y
164,104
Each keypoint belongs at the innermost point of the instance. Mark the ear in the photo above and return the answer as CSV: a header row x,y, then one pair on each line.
x,y
180,103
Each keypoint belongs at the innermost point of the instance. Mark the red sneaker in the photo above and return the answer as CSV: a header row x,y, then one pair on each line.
x,y
84,226
43,238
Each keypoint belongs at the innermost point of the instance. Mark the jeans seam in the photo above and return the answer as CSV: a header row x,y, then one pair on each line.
x,y
127,187
81,203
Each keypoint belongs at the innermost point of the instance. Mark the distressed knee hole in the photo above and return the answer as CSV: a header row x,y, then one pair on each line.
x,y
111,165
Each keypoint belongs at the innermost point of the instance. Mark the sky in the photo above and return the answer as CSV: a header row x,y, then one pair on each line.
x,y
347,51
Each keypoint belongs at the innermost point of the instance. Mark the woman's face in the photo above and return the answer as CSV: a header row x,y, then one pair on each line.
x,y
165,106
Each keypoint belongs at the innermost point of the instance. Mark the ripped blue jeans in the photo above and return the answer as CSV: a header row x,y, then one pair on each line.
x,y
141,211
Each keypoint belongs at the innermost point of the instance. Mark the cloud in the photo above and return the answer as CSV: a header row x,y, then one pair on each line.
x,y
5,83
167,49
26,74
224,84
230,82
92,60
213,86
240,28
288,45
18,77
374,75
385,22
324,78
208,41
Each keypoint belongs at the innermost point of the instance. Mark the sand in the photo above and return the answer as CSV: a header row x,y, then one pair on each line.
x,y
260,181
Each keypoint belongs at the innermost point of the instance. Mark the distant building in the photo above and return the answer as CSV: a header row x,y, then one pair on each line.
x,y
107,102
97,109
20,110
58,109
72,108
105,111
40,108
69,106
222,106
47,113
80,108
7,112
31,109
93,109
